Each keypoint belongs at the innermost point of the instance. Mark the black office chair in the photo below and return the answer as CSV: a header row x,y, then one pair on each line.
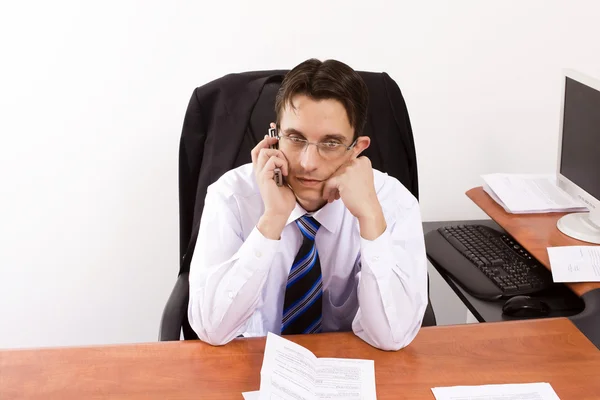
x,y
392,150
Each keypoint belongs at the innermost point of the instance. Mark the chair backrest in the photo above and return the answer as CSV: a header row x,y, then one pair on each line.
x,y
392,147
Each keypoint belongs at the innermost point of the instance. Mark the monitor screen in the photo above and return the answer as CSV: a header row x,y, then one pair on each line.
x,y
580,154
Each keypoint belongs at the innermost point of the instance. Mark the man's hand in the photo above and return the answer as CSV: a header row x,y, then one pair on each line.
x,y
353,183
279,200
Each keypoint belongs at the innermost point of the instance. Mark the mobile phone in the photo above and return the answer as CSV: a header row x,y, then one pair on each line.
x,y
278,177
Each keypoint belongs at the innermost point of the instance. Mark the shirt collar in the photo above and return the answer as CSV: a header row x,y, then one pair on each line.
x,y
329,216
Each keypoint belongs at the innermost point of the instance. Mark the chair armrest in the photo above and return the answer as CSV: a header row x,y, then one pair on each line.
x,y
588,321
429,317
175,312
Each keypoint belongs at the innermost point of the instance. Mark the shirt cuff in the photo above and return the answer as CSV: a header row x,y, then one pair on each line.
x,y
377,256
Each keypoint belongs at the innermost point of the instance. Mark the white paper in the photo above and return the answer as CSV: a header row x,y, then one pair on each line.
x,y
341,378
521,391
288,370
291,372
251,395
529,193
575,263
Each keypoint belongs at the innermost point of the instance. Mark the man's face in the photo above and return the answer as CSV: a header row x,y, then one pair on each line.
x,y
318,121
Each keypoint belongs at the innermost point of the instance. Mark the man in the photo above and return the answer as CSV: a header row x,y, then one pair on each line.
x,y
339,246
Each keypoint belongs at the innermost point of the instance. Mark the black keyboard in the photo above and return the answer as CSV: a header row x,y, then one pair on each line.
x,y
486,263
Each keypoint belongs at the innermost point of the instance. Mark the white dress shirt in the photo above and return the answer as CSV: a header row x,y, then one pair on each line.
x,y
238,277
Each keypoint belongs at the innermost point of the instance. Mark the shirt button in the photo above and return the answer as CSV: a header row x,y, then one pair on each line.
x,y
230,294
258,254
375,258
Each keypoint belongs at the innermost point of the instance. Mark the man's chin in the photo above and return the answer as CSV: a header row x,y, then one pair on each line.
x,y
312,206
310,200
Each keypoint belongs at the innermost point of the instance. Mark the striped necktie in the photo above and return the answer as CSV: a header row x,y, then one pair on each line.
x,y
302,305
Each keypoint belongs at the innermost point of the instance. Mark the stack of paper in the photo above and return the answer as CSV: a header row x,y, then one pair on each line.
x,y
523,194
575,263
292,372
518,391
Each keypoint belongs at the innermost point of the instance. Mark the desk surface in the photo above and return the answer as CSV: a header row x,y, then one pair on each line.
x,y
550,350
535,232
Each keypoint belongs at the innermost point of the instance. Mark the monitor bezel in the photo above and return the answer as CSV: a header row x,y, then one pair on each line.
x,y
563,182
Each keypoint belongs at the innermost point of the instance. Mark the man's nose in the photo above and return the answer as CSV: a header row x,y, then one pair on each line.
x,y
309,159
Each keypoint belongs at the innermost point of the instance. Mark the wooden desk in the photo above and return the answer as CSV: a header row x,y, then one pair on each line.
x,y
535,232
550,350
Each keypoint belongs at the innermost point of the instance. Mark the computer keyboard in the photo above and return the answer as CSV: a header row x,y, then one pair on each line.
x,y
488,264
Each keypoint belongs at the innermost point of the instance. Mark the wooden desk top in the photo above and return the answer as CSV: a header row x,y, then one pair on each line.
x,y
535,232
545,350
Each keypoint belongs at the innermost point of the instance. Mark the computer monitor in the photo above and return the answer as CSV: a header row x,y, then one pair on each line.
x,y
578,171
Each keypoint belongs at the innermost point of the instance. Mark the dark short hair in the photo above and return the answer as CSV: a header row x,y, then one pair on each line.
x,y
328,79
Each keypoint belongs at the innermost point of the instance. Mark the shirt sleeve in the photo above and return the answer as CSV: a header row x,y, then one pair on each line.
x,y
227,273
392,288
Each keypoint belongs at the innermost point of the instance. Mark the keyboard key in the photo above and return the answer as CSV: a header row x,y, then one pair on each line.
x,y
457,245
522,286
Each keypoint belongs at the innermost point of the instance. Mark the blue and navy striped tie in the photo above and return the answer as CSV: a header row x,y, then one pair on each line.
x,y
302,306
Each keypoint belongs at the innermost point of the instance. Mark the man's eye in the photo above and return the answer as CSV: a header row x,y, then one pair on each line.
x,y
331,145
296,139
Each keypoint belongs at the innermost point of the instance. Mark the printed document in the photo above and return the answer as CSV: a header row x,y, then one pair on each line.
x,y
575,263
521,391
527,193
292,372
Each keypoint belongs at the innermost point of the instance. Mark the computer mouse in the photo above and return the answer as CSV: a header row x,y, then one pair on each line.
x,y
525,306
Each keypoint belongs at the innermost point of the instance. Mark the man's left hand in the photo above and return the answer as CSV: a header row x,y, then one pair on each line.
x,y
353,183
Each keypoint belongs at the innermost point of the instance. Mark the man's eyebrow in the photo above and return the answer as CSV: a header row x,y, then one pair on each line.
x,y
335,136
292,131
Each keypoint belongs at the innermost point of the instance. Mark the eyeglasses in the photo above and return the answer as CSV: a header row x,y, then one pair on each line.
x,y
328,150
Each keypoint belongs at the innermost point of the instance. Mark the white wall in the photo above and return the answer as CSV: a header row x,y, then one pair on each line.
x,y
92,98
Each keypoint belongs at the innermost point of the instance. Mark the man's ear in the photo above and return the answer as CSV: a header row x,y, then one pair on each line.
x,y
362,143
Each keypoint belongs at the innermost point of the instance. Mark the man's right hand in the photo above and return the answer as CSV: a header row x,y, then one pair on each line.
x,y
279,201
